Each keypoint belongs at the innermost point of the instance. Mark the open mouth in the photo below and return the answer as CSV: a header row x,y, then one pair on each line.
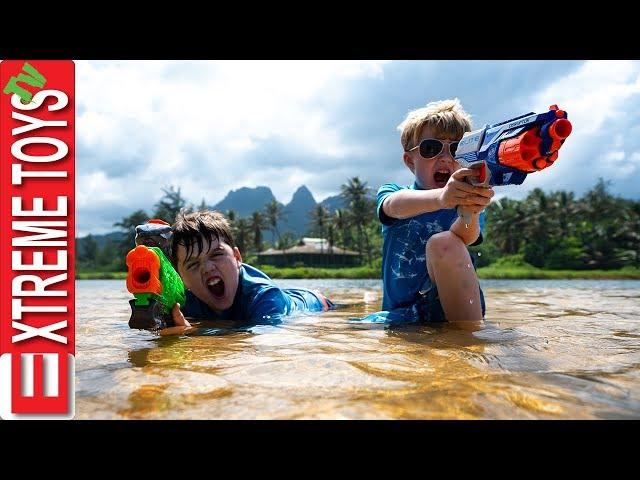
x,y
441,177
216,287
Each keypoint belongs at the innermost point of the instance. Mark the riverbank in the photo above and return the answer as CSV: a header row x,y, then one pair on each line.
x,y
490,272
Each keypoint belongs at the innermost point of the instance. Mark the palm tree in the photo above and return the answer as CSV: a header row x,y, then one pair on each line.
x,y
538,229
563,210
128,226
319,218
257,223
634,227
360,208
87,251
243,231
505,221
273,213
602,218
330,233
170,204
342,224
231,215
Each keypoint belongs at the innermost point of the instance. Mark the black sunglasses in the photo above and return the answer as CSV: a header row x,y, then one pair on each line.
x,y
432,147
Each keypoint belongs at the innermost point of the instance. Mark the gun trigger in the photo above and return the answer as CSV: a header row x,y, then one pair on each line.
x,y
482,177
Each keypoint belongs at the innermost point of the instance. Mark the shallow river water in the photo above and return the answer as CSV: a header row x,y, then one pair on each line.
x,y
548,349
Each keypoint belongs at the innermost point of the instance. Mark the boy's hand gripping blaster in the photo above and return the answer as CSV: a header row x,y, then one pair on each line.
x,y
151,278
505,153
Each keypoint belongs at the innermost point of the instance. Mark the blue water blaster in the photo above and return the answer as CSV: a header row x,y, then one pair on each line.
x,y
506,152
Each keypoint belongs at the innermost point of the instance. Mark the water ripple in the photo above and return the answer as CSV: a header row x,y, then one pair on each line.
x,y
548,349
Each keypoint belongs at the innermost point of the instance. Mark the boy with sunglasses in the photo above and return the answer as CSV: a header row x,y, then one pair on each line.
x,y
428,274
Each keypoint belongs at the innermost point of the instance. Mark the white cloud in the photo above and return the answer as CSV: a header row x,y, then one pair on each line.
x,y
614,157
617,166
221,108
594,96
210,127
219,103
158,116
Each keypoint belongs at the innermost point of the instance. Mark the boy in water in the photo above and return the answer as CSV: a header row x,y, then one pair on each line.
x,y
427,270
219,285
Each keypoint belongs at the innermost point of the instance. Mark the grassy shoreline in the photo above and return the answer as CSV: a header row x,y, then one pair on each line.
x,y
490,272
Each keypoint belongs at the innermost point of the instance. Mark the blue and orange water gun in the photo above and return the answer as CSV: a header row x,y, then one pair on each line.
x,y
506,152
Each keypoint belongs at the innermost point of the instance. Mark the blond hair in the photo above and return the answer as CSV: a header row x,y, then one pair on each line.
x,y
447,117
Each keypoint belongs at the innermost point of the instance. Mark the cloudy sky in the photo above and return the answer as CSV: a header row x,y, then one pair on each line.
x,y
210,127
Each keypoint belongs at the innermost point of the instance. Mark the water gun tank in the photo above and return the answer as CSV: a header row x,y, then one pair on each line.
x,y
155,233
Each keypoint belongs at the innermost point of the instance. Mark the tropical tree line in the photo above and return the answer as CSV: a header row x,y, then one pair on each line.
x,y
552,230
556,230
352,227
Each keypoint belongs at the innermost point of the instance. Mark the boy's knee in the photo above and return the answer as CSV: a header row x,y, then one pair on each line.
x,y
444,245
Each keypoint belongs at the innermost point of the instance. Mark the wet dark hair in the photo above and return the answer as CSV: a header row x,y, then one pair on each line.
x,y
192,229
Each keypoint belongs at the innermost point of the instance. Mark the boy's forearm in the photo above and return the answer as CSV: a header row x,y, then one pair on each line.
x,y
470,234
409,203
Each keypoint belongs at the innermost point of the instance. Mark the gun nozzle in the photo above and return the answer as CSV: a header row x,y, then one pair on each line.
x,y
143,274
540,163
560,129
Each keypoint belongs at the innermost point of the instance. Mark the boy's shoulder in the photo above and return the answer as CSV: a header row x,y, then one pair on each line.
x,y
387,189
253,278
392,187
262,299
258,287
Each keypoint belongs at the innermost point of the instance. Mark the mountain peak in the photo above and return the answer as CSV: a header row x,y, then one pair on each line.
x,y
245,200
258,189
302,194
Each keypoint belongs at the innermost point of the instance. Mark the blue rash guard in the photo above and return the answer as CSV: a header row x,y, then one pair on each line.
x,y
408,293
258,300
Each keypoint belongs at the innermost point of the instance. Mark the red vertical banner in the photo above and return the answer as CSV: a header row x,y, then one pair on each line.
x,y
37,232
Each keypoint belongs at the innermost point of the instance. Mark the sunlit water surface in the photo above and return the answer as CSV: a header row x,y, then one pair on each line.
x,y
548,349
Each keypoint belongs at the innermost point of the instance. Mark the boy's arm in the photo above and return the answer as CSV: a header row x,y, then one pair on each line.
x,y
468,234
409,203
269,305
274,303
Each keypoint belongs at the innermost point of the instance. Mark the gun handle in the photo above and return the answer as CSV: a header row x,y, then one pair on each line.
x,y
483,177
150,316
464,214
